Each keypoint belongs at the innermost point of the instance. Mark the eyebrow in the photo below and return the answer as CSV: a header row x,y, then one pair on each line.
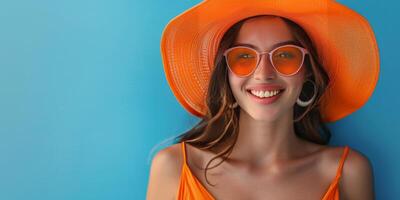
x,y
294,42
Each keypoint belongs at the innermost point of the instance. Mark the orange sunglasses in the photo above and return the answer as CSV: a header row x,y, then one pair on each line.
x,y
287,59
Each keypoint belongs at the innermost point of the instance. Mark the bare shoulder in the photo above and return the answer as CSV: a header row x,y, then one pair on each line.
x,y
357,181
165,172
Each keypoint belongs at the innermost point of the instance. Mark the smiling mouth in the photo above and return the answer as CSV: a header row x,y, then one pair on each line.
x,y
280,91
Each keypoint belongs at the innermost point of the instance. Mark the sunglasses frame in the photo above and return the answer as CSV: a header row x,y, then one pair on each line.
x,y
304,51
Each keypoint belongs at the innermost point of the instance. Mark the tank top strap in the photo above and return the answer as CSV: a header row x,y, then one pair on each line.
x,y
341,163
183,152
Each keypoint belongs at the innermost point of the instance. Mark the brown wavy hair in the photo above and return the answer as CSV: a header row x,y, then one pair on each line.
x,y
221,121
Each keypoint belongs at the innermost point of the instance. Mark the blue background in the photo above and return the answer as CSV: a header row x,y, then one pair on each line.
x,y
84,103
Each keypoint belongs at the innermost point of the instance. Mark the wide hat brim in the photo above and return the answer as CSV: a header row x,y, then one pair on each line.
x,y
344,40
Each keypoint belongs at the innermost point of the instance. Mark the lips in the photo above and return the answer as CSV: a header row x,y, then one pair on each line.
x,y
280,90
264,87
266,100
279,93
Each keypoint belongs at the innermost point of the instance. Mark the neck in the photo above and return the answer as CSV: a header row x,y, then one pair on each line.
x,y
265,141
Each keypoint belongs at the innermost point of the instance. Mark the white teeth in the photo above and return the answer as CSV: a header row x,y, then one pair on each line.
x,y
263,94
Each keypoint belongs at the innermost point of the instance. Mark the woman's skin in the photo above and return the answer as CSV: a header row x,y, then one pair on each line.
x,y
268,160
266,133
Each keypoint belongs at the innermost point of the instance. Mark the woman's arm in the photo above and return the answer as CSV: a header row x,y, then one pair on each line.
x,y
357,180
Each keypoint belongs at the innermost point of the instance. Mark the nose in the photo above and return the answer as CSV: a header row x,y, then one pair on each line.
x,y
265,69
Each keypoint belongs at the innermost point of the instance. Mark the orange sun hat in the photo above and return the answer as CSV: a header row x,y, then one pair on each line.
x,y
344,40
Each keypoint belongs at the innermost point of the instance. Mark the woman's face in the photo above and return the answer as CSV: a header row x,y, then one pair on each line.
x,y
263,33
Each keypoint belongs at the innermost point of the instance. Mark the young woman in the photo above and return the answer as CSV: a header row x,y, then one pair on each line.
x,y
268,95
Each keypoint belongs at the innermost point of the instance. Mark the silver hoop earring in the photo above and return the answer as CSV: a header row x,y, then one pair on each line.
x,y
306,103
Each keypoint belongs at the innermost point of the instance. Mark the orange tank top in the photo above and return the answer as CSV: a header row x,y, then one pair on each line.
x,y
190,187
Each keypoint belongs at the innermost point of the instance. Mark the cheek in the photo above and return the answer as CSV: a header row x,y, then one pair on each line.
x,y
235,83
297,90
297,81
296,86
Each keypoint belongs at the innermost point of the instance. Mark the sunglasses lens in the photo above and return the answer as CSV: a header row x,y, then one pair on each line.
x,y
287,60
242,60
